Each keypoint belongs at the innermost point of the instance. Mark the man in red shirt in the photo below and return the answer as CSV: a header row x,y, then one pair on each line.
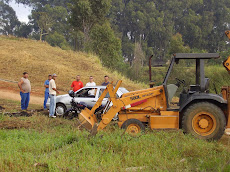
x,y
76,85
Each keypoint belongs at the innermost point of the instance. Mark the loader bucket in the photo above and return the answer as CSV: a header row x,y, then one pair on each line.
x,y
86,120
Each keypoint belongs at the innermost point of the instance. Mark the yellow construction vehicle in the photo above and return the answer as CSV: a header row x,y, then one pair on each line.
x,y
204,115
226,63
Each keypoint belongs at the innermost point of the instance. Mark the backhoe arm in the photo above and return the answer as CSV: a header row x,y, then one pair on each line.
x,y
124,103
118,104
87,117
226,63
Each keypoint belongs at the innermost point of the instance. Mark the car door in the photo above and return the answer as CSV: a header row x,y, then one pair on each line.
x,y
85,95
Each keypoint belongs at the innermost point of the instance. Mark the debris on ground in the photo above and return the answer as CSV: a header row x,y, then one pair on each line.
x,y
227,131
182,160
1,108
41,166
18,114
15,124
38,110
25,113
136,168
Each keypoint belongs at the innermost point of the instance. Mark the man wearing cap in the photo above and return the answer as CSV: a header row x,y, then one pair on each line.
x,y
52,95
46,85
25,89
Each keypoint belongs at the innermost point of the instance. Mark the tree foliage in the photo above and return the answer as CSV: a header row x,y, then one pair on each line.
x,y
177,45
86,13
8,19
49,19
57,40
24,30
105,44
139,57
200,22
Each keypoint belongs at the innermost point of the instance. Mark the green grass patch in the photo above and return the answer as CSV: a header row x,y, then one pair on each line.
x,y
39,143
57,145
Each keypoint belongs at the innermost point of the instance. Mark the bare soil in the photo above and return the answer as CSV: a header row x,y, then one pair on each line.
x,y
15,124
15,95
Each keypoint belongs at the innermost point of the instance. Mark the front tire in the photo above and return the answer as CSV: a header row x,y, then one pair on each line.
x,y
60,109
133,126
204,120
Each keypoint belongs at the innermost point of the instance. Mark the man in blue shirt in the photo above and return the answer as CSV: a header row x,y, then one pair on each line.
x,y
46,85
106,81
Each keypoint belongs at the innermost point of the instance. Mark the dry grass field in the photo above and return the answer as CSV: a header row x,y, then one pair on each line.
x,y
40,59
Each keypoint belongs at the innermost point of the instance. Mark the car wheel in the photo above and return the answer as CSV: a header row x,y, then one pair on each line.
x,y
60,109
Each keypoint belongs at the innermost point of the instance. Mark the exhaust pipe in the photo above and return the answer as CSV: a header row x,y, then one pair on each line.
x,y
151,84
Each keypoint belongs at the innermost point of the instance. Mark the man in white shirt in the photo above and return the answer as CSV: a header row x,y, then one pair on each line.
x,y
91,83
52,94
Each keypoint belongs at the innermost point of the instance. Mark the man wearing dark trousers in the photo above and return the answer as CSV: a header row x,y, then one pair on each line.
x,y
46,85
25,89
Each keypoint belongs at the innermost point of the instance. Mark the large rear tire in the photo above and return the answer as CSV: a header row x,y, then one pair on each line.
x,y
133,126
204,120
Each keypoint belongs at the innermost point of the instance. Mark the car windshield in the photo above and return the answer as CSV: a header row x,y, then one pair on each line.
x,y
123,90
101,91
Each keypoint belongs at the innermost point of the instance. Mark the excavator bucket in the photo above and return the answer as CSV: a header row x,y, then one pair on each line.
x,y
86,120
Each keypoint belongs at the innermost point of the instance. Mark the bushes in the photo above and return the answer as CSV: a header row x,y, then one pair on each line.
x,y
57,40
106,45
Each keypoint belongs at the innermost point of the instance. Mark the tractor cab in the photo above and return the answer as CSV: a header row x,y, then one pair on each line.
x,y
197,87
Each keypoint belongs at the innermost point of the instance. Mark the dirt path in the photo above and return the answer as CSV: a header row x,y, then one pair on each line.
x,y
6,94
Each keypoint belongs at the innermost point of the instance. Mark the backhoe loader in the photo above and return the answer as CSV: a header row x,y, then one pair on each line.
x,y
200,113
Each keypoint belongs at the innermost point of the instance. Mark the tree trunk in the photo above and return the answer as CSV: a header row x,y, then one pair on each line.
x,y
41,30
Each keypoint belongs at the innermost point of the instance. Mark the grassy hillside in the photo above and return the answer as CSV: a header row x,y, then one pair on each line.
x,y
38,143
40,59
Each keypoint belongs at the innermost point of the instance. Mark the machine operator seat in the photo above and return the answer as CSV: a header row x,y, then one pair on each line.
x,y
197,88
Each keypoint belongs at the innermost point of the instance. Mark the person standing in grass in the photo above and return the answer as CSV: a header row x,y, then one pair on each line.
x,y
25,89
106,81
91,83
76,85
46,85
52,95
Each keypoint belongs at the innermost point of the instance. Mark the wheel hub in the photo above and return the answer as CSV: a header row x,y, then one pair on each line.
x,y
204,123
60,110
133,129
